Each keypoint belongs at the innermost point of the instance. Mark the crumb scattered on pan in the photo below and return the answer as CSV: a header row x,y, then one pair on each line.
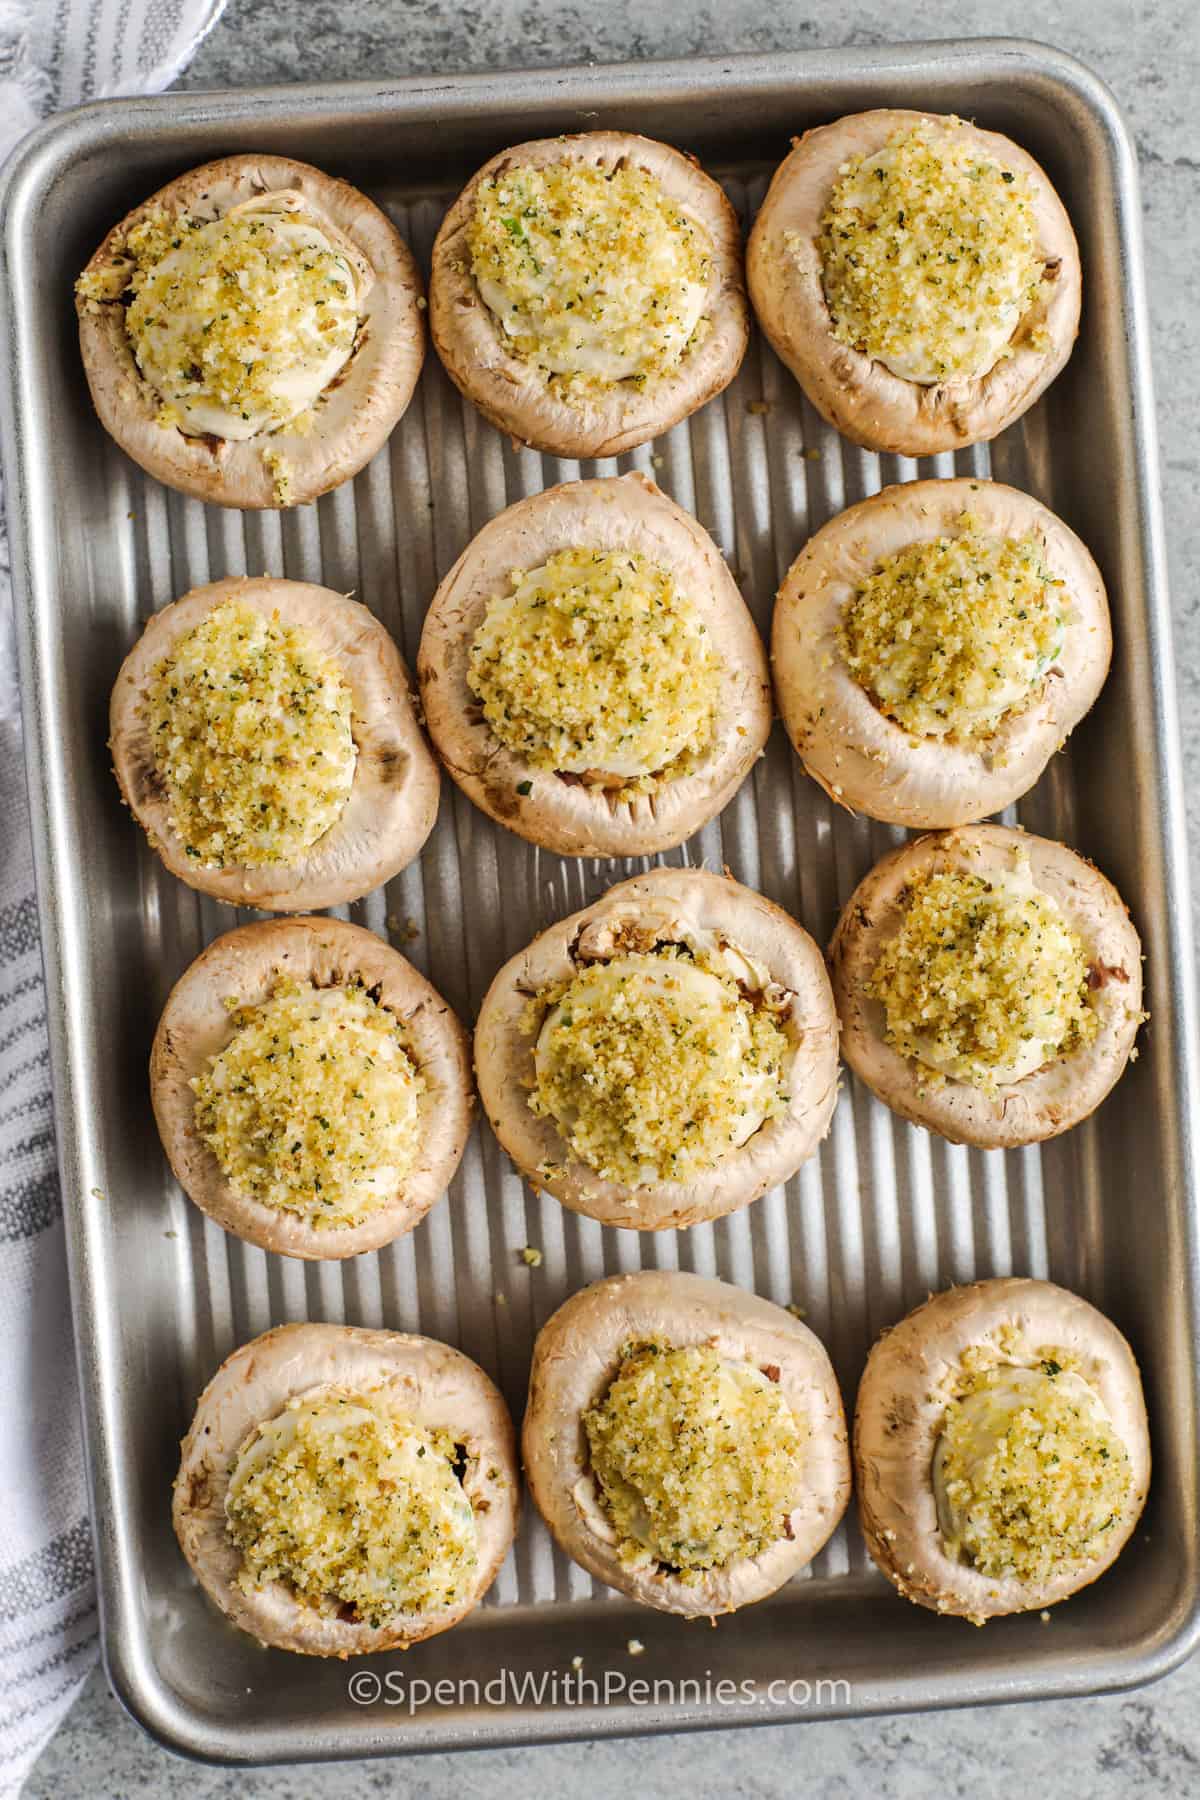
x,y
635,1646
532,1256
577,1663
1044,1617
797,1311
758,407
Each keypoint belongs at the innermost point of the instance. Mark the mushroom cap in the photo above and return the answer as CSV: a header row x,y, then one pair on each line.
x,y
246,964
358,410
865,760
865,401
663,905
908,1379
509,391
1054,1097
393,801
576,1356
437,1386
625,512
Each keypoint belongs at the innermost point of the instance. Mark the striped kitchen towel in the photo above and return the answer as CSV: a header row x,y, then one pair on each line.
x,y
53,53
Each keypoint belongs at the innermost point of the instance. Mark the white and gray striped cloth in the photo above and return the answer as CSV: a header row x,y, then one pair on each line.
x,y
53,53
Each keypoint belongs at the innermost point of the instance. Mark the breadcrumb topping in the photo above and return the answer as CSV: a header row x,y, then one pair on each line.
x,y
984,982
929,254
357,1508
596,662
313,1106
952,635
1029,1473
655,1066
251,727
697,1459
239,323
596,275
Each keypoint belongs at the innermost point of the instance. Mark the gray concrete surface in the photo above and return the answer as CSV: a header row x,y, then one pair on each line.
x,y
1142,1744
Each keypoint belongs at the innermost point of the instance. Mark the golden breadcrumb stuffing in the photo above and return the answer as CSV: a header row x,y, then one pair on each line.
x,y
251,727
654,1067
595,275
984,982
357,1508
597,662
929,254
697,1460
951,635
1029,1473
239,322
313,1106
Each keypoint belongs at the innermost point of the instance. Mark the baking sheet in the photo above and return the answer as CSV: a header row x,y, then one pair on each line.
x,y
884,1214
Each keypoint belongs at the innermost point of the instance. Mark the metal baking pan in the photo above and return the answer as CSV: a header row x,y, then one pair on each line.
x,y
881,1216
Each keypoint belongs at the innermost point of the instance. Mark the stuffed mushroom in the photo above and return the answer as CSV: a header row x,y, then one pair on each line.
x,y
343,1491
918,276
264,736
589,673
684,1440
664,1056
252,332
1001,1450
312,1090
934,646
587,291
989,985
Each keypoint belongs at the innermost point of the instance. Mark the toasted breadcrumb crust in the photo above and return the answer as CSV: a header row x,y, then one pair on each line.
x,y
929,254
356,1507
698,1459
984,981
596,661
252,730
313,1107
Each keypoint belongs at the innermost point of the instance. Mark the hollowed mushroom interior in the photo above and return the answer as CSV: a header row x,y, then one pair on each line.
x,y
695,1459
252,731
949,636
1029,1473
663,1054
356,1507
595,275
985,981
239,322
930,261
313,1105
596,666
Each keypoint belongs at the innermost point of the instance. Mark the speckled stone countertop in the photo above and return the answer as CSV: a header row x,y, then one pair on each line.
x,y
1149,51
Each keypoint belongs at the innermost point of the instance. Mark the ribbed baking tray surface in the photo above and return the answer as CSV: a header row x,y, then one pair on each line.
x,y
882,1215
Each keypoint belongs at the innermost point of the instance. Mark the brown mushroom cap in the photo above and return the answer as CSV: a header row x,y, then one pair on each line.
x,y
865,401
509,391
577,1354
1054,1097
910,1376
575,818
662,906
358,410
865,760
393,801
437,1386
245,965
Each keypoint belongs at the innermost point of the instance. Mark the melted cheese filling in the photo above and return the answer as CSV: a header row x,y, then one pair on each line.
x,y
697,1459
929,255
241,323
251,727
950,636
593,275
985,982
1028,1474
356,1508
313,1107
596,662
655,1069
